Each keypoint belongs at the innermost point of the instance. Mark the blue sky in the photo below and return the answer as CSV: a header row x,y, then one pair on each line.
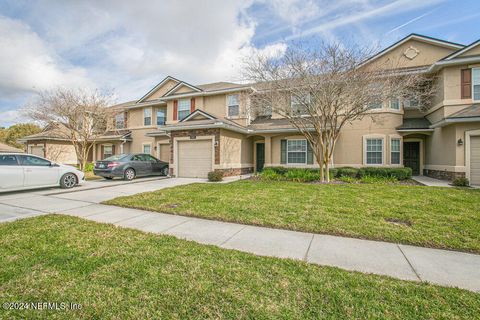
x,y
128,46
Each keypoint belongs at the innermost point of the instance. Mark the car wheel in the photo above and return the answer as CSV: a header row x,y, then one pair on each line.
x,y
108,178
165,171
68,180
129,174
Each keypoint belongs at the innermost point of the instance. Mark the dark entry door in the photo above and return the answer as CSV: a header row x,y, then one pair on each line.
x,y
260,156
411,156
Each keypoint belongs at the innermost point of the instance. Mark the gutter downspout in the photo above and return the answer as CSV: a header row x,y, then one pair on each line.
x,y
121,145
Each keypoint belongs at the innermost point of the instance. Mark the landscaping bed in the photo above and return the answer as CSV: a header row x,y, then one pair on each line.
x,y
115,273
425,216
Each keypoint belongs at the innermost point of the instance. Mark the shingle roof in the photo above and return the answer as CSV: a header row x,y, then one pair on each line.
x,y
6,148
220,86
468,112
414,123
266,123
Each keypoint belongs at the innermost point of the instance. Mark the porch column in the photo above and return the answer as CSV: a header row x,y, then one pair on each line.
x,y
268,151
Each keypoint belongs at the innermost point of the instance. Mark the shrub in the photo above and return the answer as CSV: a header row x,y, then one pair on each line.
x,y
215,176
347,172
461,182
302,175
89,167
378,179
279,170
397,173
270,174
348,179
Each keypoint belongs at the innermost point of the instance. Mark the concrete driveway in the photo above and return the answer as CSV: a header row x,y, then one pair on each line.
x,y
17,205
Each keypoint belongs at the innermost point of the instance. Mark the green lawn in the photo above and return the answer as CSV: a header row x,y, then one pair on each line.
x,y
425,216
119,273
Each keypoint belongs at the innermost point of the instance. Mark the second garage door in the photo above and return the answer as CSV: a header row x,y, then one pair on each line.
x,y
475,160
194,158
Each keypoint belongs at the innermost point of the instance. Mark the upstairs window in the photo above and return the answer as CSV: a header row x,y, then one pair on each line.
x,y
395,104
476,84
374,151
120,121
296,151
161,117
410,103
375,104
147,116
395,151
298,104
183,109
233,105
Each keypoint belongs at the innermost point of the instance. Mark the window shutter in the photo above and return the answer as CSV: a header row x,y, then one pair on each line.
x,y
466,83
192,105
283,151
102,152
125,125
309,153
175,110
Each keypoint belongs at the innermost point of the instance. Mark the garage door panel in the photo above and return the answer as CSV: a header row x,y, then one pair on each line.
x,y
194,158
475,160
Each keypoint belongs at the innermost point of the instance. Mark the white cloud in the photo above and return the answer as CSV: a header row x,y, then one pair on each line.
x,y
9,117
27,64
295,11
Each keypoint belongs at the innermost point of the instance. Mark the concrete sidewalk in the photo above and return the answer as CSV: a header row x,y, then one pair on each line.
x,y
431,182
447,268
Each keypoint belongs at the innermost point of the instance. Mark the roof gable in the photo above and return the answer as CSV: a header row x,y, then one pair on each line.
x,y
412,51
160,89
182,87
472,49
198,115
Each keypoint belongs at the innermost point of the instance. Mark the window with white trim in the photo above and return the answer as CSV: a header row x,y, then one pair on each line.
x,y
161,116
147,116
410,103
476,84
147,148
107,151
233,107
374,151
395,104
395,151
296,151
298,104
120,121
183,108
375,104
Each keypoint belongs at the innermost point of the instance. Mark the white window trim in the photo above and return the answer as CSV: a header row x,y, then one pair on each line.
x,y
294,97
106,145
116,122
156,115
151,116
228,105
147,144
306,153
473,85
373,136
392,137
399,104
178,107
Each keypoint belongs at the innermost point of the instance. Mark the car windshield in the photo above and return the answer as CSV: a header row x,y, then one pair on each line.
x,y
117,157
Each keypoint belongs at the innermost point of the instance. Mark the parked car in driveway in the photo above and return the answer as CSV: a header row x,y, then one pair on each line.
x,y
130,165
19,171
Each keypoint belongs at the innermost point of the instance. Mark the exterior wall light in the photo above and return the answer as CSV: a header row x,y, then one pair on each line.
x,y
460,142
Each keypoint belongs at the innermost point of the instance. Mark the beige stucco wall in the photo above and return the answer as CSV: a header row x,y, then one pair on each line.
x,y
236,150
61,152
162,90
428,54
472,52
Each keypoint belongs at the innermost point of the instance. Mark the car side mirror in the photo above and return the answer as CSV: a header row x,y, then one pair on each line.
x,y
53,164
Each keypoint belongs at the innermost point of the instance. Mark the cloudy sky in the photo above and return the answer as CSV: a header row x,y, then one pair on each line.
x,y
129,46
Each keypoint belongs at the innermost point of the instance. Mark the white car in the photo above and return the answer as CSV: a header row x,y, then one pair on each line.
x,y
20,171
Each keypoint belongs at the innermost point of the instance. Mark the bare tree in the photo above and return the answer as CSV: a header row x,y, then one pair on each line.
x,y
320,90
81,116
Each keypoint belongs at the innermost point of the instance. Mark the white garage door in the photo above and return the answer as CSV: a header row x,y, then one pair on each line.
x,y
194,158
38,151
475,160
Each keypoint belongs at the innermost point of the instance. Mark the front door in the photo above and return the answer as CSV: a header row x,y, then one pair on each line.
x,y
260,156
411,156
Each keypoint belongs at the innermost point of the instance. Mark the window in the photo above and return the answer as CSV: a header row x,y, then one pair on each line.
x,y
233,105
34,161
183,109
8,160
374,152
376,104
395,104
476,83
297,151
120,121
147,148
161,117
107,151
395,151
410,103
298,104
147,116
150,158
